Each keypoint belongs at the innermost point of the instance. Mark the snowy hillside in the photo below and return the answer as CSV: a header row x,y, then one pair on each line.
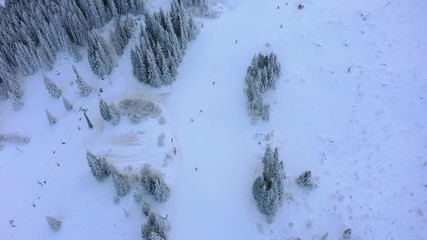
x,y
349,106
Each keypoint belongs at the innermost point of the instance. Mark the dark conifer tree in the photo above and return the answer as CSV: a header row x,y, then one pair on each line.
x,y
100,63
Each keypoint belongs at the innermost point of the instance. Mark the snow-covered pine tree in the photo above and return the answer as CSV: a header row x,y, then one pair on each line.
x,y
145,208
121,35
3,93
268,189
84,88
52,120
54,223
157,228
137,7
17,103
26,59
121,183
115,114
166,77
7,78
153,72
99,61
67,104
139,63
104,109
44,60
51,87
154,184
98,166
305,180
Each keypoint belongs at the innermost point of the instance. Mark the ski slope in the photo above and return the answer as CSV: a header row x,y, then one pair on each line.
x,y
349,106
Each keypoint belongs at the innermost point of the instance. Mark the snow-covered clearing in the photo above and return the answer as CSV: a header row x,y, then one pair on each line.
x,y
349,106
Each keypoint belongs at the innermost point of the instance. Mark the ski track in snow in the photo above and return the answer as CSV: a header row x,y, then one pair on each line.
x,y
349,106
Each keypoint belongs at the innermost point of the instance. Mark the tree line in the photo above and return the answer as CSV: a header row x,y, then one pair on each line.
x,y
34,31
162,42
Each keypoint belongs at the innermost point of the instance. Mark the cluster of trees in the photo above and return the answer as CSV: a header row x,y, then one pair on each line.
x,y
268,189
163,40
109,113
154,184
157,228
121,35
101,170
261,76
34,31
99,166
150,181
138,109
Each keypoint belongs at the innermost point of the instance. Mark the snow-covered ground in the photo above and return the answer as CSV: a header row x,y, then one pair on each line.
x,y
349,106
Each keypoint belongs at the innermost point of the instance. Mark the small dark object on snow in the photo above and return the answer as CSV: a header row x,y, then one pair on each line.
x,y
349,69
53,152
44,182
34,205
201,110
300,7
278,7
236,41
347,234
10,221
192,120
63,143
171,140
57,164
281,25
58,73
195,169
174,151
213,83
101,90
286,4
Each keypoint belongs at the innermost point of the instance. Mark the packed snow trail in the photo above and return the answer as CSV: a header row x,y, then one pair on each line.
x,y
211,192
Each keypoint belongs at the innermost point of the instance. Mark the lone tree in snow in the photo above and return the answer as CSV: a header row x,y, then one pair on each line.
x,y
52,120
268,189
54,223
157,228
52,88
305,180
67,104
84,88
98,165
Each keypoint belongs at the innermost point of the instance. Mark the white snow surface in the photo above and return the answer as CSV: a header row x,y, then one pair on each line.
x,y
350,106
